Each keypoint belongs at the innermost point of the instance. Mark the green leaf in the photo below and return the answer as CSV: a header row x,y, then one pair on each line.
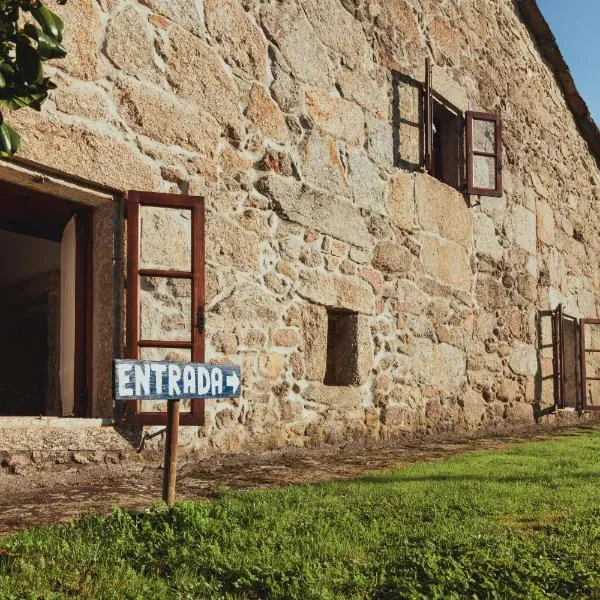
x,y
10,141
50,22
47,47
7,69
29,62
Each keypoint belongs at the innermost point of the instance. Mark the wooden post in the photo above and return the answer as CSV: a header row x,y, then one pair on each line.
x,y
170,478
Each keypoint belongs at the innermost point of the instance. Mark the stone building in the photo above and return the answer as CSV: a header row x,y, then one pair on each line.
x,y
377,243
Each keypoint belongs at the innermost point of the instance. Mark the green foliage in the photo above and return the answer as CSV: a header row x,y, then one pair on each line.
x,y
512,524
30,34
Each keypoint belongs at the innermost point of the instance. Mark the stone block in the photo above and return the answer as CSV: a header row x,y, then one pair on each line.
x,y
266,114
321,164
224,342
439,365
314,333
227,244
82,21
350,351
393,258
519,413
271,365
380,142
337,117
486,240
337,29
159,116
508,391
443,210
84,153
523,359
239,40
315,209
339,397
80,100
196,75
130,45
336,291
490,292
446,261
372,94
365,183
401,201
248,304
284,338
183,12
473,406
447,87
545,222
520,227
448,39
295,40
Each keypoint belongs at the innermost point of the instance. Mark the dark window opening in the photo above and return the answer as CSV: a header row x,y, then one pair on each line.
x,y
342,348
44,307
446,155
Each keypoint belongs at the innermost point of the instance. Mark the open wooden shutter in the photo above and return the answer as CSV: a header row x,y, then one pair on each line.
x,y
566,359
165,290
428,118
484,154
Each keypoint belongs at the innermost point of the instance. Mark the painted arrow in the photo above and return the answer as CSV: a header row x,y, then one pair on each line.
x,y
233,382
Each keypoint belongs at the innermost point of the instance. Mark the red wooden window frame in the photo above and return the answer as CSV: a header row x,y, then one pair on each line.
x,y
496,155
584,377
197,344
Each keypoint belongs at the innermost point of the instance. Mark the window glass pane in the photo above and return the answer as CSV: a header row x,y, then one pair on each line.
x,y
484,136
165,309
166,238
171,354
484,172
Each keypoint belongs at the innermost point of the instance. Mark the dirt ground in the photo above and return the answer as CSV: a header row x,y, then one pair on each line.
x,y
37,497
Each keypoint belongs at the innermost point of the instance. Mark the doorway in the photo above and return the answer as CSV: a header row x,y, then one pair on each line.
x,y
45,306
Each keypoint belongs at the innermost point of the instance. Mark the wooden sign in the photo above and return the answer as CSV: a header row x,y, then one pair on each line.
x,y
161,380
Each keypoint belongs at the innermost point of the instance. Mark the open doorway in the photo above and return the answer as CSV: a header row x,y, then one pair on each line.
x,y
44,304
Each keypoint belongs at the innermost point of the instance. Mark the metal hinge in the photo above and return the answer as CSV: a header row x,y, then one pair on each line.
x,y
200,323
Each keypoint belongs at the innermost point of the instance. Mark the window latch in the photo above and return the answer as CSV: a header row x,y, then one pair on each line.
x,y
200,322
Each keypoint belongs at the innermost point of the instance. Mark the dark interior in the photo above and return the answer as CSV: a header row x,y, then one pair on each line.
x,y
31,226
447,154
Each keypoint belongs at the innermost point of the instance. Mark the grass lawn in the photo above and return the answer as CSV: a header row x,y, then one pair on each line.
x,y
519,523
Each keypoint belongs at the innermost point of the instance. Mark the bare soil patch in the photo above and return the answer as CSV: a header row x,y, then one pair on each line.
x,y
37,496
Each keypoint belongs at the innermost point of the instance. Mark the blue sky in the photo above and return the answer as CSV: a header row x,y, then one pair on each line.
x,y
576,26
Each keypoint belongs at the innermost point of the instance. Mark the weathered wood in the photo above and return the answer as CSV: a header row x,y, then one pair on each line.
x,y
162,380
171,443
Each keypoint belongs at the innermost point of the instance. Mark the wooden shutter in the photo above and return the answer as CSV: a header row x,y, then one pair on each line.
x,y
484,154
173,275
428,118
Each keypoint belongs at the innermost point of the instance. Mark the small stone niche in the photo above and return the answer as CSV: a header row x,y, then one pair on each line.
x,y
342,348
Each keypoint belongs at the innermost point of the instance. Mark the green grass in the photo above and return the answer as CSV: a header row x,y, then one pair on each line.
x,y
519,523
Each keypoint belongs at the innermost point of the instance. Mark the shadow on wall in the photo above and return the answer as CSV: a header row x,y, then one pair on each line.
x,y
407,117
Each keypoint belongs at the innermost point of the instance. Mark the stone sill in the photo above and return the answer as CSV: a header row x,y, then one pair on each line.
x,y
54,422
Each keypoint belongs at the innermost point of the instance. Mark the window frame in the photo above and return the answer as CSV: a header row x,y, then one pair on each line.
x,y
497,191
197,345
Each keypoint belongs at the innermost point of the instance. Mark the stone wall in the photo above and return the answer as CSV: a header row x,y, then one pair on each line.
x,y
299,123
